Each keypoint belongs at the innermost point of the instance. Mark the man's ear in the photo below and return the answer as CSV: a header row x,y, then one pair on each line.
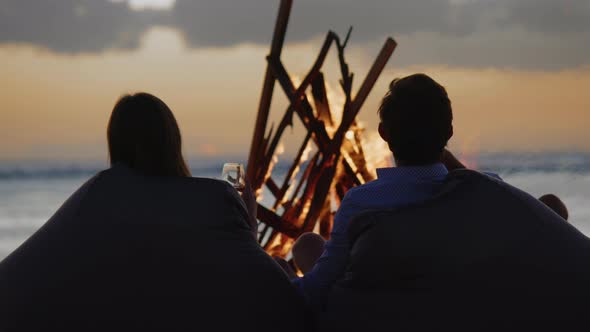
x,y
450,133
383,133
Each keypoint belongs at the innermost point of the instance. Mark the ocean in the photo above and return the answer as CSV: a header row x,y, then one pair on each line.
x,y
31,192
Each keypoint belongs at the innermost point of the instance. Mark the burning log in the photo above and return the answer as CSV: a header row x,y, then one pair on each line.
x,y
304,203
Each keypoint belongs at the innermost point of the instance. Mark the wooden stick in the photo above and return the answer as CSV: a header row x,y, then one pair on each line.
x,y
350,113
326,219
306,175
272,186
276,222
300,104
372,76
319,62
297,96
268,87
321,187
320,98
288,177
304,110
263,161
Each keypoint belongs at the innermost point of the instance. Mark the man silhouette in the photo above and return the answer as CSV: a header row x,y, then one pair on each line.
x,y
416,122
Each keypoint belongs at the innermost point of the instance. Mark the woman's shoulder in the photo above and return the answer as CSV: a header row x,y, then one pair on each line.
x,y
127,190
197,189
213,183
120,171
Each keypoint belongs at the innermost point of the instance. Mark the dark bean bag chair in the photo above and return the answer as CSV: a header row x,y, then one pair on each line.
x,y
480,256
133,253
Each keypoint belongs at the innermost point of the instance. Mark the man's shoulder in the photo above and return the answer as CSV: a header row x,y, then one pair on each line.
x,y
364,190
363,187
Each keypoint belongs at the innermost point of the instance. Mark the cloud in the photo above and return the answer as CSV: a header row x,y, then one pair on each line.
x,y
534,34
226,22
71,26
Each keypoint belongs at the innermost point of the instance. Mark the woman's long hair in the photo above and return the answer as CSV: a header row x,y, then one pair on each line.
x,y
143,134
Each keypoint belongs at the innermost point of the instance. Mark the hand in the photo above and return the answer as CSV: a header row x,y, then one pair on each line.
x,y
252,207
286,267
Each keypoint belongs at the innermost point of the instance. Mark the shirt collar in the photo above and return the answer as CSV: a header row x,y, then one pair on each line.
x,y
412,173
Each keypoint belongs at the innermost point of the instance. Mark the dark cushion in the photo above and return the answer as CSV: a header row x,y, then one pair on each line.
x,y
131,252
481,255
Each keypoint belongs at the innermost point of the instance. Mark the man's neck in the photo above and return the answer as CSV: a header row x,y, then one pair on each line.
x,y
399,163
447,159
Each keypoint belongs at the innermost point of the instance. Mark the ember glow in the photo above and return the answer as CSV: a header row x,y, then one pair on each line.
x,y
375,149
304,157
275,159
377,152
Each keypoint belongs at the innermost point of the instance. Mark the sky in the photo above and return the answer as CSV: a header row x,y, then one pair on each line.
x,y
517,71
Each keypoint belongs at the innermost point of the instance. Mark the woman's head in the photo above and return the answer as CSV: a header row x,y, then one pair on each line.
x,y
143,134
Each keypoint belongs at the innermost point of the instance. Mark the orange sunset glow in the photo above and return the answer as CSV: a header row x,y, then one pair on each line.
x,y
56,104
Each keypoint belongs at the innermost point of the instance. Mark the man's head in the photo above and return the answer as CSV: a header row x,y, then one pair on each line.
x,y
416,120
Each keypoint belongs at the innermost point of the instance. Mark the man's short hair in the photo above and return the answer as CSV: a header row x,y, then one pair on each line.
x,y
416,114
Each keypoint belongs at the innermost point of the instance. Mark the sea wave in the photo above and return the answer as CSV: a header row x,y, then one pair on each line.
x,y
501,163
511,163
45,173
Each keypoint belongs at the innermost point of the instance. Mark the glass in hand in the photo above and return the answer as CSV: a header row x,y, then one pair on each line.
x,y
235,175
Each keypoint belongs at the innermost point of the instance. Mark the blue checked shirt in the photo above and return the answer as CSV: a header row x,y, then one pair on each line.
x,y
394,187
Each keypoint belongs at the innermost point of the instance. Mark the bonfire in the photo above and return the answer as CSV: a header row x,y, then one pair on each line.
x,y
334,154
